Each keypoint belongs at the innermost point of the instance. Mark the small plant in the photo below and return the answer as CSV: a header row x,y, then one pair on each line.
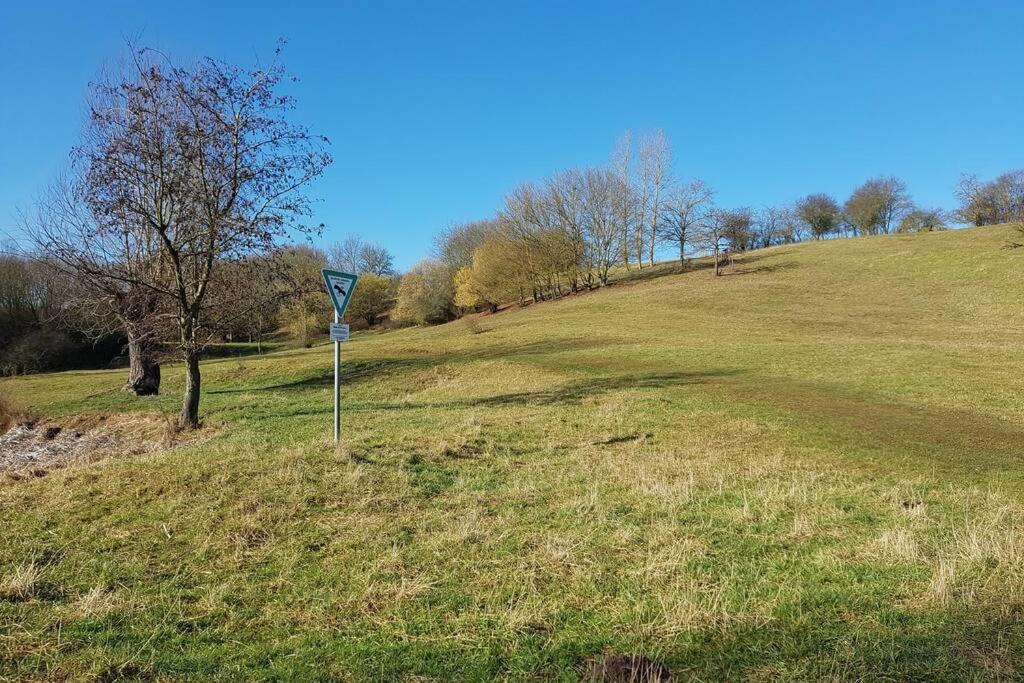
x,y
21,585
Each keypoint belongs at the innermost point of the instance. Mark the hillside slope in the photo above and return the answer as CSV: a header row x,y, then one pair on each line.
x,y
809,467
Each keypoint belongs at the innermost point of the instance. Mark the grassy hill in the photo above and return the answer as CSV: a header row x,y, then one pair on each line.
x,y
811,467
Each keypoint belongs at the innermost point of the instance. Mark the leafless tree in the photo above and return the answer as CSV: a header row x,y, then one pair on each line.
x,y
923,220
377,260
624,197
113,266
454,246
996,201
655,154
738,225
567,196
201,161
686,211
602,211
770,224
713,236
355,255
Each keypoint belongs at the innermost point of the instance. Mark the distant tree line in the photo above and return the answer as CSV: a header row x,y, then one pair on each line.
x,y
570,232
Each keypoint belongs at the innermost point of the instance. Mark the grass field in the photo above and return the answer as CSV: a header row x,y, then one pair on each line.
x,y
811,468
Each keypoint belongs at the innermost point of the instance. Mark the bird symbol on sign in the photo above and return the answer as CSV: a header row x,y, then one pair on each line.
x,y
339,289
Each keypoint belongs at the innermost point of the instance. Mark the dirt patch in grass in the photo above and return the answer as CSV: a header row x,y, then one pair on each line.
x,y
625,669
31,448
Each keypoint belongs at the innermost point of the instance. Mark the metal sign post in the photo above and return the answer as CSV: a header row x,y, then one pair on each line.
x,y
337,386
339,286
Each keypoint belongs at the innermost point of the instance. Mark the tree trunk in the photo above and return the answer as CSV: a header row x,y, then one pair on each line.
x,y
653,237
143,369
189,418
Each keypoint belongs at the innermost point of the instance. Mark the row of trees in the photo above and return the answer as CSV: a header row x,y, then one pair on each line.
x,y
571,231
51,319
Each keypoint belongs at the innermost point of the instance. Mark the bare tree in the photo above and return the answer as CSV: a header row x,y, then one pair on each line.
x,y
202,161
770,226
113,265
566,197
655,162
604,232
355,255
454,246
624,196
738,226
996,201
685,212
376,260
713,236
923,220
345,255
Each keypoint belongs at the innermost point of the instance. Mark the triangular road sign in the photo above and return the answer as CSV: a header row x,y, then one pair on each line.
x,y
340,286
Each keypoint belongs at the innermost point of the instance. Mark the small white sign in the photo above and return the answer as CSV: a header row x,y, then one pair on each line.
x,y
339,332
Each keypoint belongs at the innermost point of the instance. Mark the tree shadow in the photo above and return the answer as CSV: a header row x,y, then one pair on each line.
x,y
739,266
357,371
566,394
969,643
743,270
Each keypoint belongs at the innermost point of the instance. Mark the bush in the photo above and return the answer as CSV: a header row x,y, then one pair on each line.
x,y
371,300
426,294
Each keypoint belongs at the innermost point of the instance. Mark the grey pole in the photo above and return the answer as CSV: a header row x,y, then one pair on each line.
x,y
337,387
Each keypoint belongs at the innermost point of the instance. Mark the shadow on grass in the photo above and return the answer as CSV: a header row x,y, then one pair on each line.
x,y
239,350
965,644
354,372
573,392
741,265
566,394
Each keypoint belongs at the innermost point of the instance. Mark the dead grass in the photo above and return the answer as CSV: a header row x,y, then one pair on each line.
x,y
10,414
21,583
96,602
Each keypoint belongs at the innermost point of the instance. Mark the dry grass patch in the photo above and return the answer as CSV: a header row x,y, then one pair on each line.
x,y
9,414
895,544
21,583
96,602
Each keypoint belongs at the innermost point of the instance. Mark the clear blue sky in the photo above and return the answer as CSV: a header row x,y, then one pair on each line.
x,y
437,109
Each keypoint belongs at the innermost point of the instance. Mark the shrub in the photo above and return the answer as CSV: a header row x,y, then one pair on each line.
x,y
371,300
426,294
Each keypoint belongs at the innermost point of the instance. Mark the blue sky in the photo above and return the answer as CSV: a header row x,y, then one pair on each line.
x,y
436,110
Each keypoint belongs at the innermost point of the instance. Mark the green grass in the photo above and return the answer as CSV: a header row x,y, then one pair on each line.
x,y
810,468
